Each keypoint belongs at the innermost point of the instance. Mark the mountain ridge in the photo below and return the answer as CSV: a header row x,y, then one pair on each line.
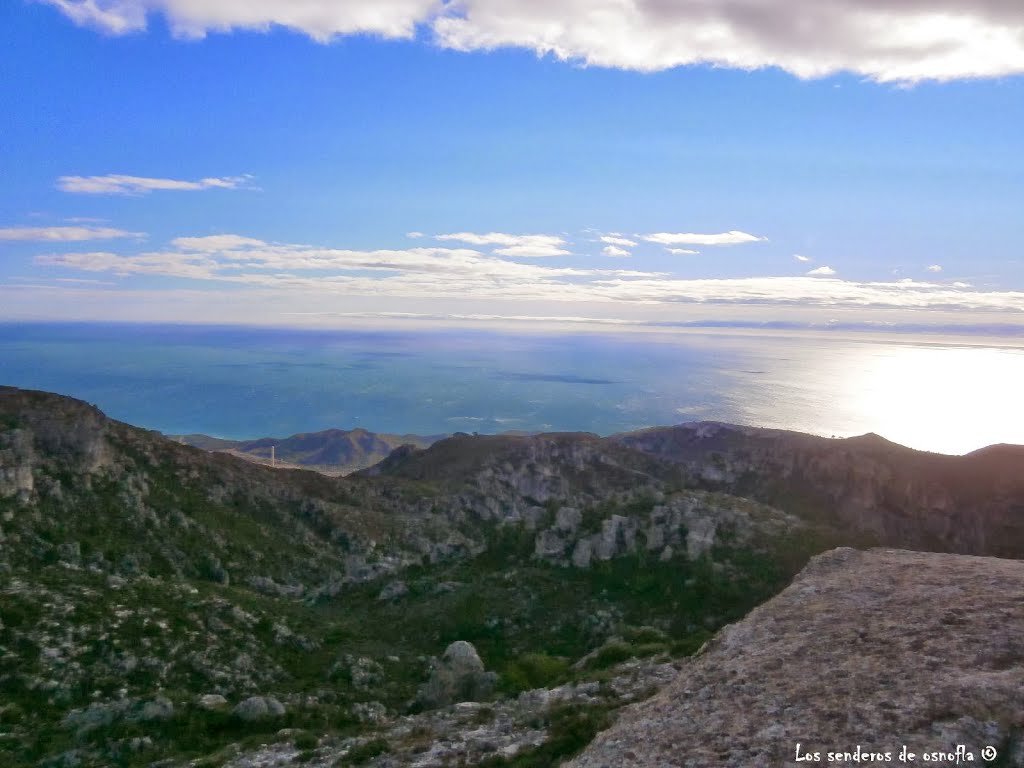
x,y
331,451
144,579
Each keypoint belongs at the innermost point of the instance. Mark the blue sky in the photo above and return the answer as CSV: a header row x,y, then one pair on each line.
x,y
323,163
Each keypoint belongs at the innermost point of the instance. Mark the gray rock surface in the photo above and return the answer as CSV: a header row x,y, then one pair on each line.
x,y
889,494
458,676
686,521
159,708
259,708
468,733
212,702
875,649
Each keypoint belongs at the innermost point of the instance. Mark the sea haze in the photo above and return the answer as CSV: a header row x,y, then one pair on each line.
x,y
246,382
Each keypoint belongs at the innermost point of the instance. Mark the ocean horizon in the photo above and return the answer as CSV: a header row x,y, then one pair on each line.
x,y
240,382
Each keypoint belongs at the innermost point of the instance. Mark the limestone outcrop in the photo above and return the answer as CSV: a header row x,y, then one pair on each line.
x,y
875,650
458,676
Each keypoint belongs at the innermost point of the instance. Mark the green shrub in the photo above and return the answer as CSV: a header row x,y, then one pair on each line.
x,y
483,716
534,670
691,644
364,753
570,729
609,655
644,635
305,740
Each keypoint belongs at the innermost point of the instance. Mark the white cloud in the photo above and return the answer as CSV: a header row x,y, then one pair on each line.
x,y
615,252
532,251
530,246
616,239
117,184
907,41
935,268
214,243
690,238
320,19
886,41
682,251
502,238
414,235
63,234
802,259
233,258
82,281
303,272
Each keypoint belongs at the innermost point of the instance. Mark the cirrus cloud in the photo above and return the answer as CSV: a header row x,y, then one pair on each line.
x,y
733,237
119,184
63,234
529,246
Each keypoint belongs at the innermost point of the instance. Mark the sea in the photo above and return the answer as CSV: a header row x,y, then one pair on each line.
x,y
926,392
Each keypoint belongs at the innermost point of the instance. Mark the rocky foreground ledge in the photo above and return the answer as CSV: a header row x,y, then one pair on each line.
x,y
881,650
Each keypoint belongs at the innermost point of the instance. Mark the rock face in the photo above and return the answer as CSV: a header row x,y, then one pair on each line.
x,y
971,504
877,650
458,676
688,521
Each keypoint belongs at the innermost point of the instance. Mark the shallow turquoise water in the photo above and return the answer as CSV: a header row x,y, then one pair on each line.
x,y
244,382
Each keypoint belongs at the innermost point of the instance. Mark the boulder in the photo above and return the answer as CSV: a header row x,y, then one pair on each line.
x,y
582,553
159,708
212,702
458,676
259,708
393,590
568,520
549,544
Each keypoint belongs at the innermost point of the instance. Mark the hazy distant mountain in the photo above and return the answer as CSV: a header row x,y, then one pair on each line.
x,y
332,451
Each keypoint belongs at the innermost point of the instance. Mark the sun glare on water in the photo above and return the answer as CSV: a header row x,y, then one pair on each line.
x,y
939,398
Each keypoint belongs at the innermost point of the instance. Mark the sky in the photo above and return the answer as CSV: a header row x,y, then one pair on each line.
x,y
607,163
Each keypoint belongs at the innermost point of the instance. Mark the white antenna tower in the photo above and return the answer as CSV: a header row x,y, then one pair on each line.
x,y
273,458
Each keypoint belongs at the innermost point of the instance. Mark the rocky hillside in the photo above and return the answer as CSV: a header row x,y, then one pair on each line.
x,y
159,602
971,504
873,651
331,451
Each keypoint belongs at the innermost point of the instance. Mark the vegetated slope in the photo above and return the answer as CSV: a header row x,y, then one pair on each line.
x,y
865,650
971,504
142,579
331,451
